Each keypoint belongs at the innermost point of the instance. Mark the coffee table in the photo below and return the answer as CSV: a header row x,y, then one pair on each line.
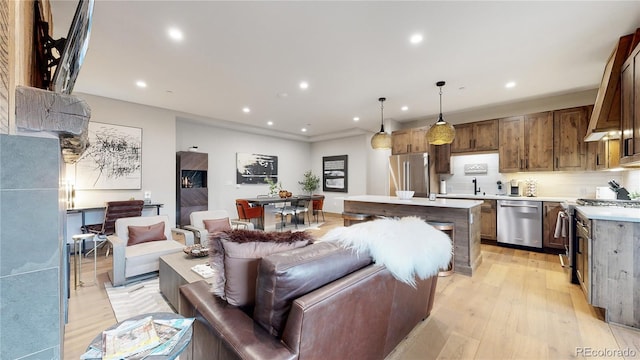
x,y
175,271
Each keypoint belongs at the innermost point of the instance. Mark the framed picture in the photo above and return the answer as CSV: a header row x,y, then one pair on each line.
x,y
113,159
334,173
254,168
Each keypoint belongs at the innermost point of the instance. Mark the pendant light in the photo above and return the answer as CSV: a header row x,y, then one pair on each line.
x,y
441,132
381,140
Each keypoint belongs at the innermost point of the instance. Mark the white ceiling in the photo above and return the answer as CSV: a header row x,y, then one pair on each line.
x,y
236,54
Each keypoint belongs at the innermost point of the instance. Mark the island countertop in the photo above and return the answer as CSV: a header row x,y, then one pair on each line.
x,y
447,203
463,214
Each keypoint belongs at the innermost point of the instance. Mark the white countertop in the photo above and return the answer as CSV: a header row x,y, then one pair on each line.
x,y
448,203
610,213
505,197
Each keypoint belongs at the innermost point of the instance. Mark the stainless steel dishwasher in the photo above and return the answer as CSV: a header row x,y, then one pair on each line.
x,y
520,222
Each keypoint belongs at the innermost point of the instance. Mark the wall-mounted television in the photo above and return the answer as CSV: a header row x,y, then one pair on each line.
x,y
75,48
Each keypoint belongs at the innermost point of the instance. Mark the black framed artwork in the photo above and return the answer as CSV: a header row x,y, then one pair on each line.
x,y
254,168
335,173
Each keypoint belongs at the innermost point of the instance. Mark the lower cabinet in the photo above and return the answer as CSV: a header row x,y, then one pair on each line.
x,y
550,217
488,228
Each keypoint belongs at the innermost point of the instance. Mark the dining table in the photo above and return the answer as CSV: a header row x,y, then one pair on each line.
x,y
265,201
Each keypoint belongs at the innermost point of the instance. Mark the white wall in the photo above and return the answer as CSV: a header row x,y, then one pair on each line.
x,y
355,148
158,153
222,146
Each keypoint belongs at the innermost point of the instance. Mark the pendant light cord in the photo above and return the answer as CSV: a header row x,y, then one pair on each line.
x,y
382,114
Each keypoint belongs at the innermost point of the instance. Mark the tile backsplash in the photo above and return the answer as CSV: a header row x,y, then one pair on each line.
x,y
553,183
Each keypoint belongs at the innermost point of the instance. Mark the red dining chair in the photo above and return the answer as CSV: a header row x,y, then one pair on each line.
x,y
318,204
248,212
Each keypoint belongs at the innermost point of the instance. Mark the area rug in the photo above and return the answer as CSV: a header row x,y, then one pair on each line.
x,y
292,227
136,298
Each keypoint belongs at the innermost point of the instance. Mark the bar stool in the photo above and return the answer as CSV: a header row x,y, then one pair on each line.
x,y
78,241
447,228
354,218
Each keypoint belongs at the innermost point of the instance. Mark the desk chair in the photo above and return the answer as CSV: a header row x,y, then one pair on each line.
x,y
247,212
114,211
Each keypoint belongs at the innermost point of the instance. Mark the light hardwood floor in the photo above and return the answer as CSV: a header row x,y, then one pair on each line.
x,y
518,305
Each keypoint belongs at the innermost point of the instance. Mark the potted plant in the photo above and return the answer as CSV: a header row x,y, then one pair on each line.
x,y
273,187
310,182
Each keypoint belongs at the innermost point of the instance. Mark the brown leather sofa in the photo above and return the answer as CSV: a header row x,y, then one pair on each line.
x,y
363,314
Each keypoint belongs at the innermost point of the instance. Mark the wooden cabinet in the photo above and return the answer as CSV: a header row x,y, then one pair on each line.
x,y
409,141
526,143
550,217
630,123
488,227
442,158
569,127
476,136
603,155
192,192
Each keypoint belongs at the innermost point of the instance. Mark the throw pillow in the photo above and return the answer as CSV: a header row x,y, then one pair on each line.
x,y
408,247
142,234
215,225
285,276
216,263
243,250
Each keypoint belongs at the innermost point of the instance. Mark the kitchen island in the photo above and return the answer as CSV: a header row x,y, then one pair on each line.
x,y
464,214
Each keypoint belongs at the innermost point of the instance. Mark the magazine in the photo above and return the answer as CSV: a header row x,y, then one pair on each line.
x,y
135,341
130,338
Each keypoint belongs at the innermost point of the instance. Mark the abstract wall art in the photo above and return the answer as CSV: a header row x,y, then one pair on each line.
x,y
113,159
335,173
254,168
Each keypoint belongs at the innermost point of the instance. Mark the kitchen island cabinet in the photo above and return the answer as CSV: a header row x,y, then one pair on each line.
x,y
614,278
464,214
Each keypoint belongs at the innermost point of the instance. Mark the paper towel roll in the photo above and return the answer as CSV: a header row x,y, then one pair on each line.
x,y
443,186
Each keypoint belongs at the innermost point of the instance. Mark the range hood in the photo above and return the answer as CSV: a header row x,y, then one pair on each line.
x,y
606,113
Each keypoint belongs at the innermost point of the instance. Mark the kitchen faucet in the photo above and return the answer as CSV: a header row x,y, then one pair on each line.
x,y
476,189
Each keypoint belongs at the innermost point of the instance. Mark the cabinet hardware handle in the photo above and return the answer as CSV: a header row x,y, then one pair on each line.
x,y
556,162
526,163
597,159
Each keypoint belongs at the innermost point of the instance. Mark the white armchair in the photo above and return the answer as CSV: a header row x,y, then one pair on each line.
x,y
133,261
197,226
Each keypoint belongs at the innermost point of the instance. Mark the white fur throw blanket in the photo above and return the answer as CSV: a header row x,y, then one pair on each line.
x,y
408,247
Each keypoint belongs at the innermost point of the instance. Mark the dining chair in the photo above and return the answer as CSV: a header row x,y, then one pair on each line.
x,y
247,212
317,206
297,207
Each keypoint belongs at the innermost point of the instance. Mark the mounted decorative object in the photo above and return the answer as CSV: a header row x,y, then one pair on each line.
x,y
113,159
381,140
441,132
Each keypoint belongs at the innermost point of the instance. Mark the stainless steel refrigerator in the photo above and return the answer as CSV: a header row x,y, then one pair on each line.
x,y
409,172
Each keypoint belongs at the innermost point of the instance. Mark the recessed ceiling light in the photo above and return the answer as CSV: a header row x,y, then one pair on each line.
x,y
303,129
355,118
270,123
404,108
175,34
141,84
510,84
416,38
304,85
246,110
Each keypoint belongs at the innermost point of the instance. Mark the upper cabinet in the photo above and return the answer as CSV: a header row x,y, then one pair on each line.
x,y
569,148
442,158
604,154
476,136
526,142
409,141
630,87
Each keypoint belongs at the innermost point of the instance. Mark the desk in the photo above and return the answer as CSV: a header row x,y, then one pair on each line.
x,y
84,210
262,201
